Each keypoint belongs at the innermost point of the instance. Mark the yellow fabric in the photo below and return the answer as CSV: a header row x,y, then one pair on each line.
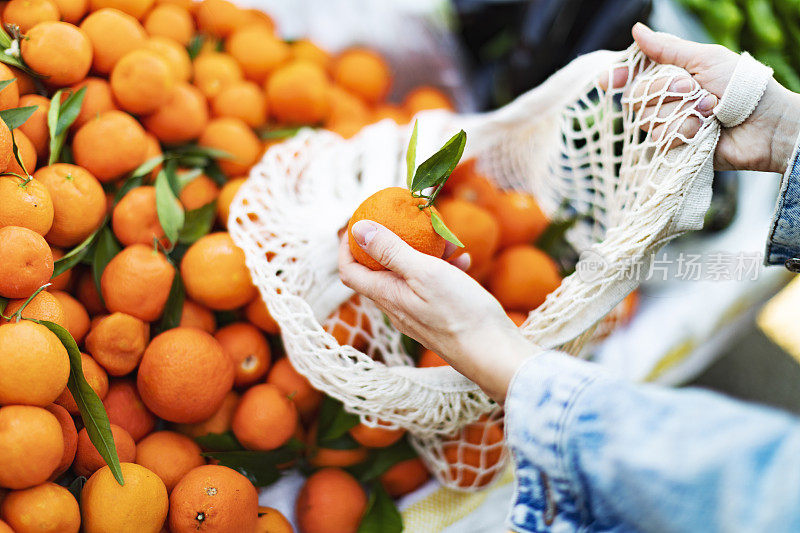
x,y
445,507
780,317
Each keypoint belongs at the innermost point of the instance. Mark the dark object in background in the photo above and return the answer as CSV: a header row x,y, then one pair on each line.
x,y
513,46
724,201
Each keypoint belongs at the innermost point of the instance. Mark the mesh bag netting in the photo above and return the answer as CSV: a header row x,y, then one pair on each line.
x,y
572,141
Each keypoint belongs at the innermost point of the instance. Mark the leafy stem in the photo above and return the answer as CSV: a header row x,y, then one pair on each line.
x,y
432,174
18,314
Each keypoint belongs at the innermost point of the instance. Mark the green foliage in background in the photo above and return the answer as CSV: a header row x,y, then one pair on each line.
x,y
768,29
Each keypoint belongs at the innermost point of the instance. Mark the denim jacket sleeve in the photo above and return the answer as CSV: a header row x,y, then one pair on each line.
x,y
596,453
783,242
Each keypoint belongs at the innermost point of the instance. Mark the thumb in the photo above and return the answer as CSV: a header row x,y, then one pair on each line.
x,y
666,48
385,247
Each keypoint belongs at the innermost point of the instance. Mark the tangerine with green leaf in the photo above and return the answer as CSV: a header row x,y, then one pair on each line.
x,y
88,460
95,376
27,155
43,306
410,213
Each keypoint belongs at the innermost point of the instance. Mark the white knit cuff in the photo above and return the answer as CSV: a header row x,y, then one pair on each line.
x,y
741,96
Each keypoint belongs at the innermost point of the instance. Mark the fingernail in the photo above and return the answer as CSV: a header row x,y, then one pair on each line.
x,y
707,103
682,85
639,26
364,231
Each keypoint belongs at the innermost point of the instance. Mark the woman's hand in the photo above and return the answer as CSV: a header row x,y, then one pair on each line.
x,y
762,142
439,305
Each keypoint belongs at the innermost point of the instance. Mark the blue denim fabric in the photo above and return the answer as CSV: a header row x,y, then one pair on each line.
x,y
783,242
595,453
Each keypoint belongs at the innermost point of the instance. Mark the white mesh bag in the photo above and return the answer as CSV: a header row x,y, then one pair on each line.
x,y
567,141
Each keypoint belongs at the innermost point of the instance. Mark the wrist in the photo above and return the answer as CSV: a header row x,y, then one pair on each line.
x,y
491,356
786,128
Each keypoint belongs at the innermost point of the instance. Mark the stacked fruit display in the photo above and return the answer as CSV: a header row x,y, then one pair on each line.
x,y
142,380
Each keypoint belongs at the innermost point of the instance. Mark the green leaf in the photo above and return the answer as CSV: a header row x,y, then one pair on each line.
x,y
136,178
131,183
170,212
16,117
215,173
198,223
105,248
17,155
185,178
381,460
411,156
174,306
334,421
15,62
195,45
147,167
76,487
3,304
261,468
219,442
194,150
74,256
60,117
278,133
440,228
381,515
437,168
6,83
93,413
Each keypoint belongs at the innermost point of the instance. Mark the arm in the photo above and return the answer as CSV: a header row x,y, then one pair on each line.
x,y
651,458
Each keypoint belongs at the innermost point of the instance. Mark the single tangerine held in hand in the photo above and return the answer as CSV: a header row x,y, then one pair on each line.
x,y
399,211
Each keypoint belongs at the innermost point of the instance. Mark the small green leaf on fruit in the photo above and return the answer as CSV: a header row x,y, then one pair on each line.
x,y
198,222
60,117
16,117
173,310
170,212
93,413
411,156
105,248
382,515
435,170
219,442
440,228
74,256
